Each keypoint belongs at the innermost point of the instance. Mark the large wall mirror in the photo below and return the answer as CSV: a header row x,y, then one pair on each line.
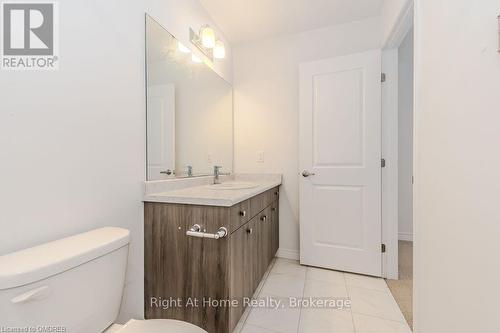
x,y
189,110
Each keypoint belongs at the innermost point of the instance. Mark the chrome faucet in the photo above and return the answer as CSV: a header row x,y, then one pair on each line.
x,y
217,174
189,170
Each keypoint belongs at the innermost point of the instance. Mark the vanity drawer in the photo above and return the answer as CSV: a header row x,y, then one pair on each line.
x,y
261,201
239,215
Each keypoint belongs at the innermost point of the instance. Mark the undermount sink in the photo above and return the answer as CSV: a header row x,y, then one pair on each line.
x,y
233,186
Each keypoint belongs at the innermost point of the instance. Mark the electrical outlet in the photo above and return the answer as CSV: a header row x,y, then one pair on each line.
x,y
209,158
260,156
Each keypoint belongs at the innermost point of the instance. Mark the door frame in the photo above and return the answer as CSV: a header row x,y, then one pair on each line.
x,y
390,200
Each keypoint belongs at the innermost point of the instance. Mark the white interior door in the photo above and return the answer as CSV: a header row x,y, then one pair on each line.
x,y
340,148
161,131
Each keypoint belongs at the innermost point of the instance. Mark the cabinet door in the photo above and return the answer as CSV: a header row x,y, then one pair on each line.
x,y
239,273
240,214
275,223
266,222
263,233
207,268
165,256
270,224
250,255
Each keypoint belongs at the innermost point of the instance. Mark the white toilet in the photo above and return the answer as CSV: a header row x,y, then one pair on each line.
x,y
73,284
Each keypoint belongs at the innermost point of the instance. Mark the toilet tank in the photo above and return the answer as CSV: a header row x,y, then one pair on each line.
x,y
74,284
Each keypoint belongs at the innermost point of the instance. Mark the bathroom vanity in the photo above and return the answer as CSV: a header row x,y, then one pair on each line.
x,y
187,260
206,246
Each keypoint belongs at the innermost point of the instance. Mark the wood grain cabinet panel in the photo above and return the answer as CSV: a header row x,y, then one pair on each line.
x,y
179,268
207,268
240,214
275,224
164,241
259,202
265,241
255,251
239,272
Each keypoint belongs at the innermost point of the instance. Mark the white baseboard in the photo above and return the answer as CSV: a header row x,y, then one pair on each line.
x,y
288,254
405,236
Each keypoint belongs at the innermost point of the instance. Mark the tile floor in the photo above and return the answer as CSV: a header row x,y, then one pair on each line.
x,y
373,308
402,289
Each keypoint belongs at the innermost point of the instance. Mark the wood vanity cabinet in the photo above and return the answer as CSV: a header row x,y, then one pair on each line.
x,y
178,267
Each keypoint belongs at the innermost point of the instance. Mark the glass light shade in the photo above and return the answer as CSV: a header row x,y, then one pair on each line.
x,y
207,36
182,48
219,50
195,58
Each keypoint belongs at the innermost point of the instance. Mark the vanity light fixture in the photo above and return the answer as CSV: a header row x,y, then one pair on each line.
x,y
195,58
207,36
207,43
219,50
182,48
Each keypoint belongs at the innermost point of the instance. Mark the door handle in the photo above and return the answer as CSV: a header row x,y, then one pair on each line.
x,y
306,173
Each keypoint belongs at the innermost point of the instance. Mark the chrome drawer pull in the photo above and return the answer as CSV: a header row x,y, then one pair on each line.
x,y
194,231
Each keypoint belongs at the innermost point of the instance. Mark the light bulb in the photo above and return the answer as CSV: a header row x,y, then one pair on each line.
x,y
182,48
195,58
219,50
207,36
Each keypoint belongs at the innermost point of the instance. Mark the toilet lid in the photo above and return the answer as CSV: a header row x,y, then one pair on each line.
x,y
160,326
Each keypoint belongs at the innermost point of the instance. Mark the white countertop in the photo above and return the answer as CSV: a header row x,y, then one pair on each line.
x,y
200,192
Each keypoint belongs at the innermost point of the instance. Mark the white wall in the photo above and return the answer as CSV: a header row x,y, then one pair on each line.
x,y
405,133
266,104
72,142
457,163
391,13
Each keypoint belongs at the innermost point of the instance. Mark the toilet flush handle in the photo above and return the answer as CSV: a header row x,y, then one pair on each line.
x,y
34,294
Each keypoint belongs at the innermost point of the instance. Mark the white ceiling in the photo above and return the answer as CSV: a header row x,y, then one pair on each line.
x,y
246,20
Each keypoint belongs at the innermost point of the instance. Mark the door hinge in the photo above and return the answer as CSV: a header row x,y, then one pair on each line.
x,y
382,162
382,77
383,248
